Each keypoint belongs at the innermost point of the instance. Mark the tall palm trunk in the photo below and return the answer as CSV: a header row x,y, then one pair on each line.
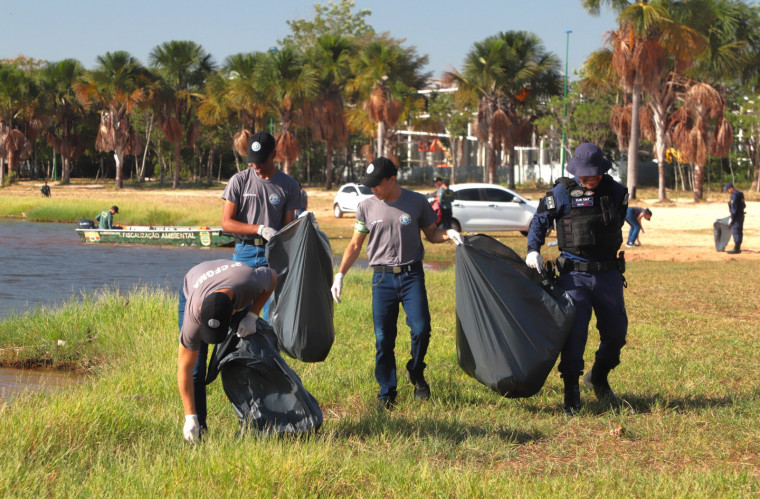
x,y
659,147
177,162
329,169
699,173
118,156
380,136
633,143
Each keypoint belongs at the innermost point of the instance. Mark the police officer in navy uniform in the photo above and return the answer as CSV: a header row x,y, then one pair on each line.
x,y
589,211
736,206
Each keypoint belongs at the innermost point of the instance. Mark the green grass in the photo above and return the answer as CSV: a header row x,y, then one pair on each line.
x,y
688,376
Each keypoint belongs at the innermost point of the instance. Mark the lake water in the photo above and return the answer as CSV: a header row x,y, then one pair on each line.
x,y
46,263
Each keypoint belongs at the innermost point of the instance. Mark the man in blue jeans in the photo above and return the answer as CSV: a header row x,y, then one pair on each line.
x,y
393,220
258,202
211,294
633,216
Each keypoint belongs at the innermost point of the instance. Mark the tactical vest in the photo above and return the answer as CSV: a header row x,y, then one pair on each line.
x,y
592,227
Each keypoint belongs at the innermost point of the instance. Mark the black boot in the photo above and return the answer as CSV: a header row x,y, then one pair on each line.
x,y
596,379
737,249
572,396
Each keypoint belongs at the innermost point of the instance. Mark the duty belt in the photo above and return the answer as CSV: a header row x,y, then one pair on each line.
x,y
412,267
256,241
567,265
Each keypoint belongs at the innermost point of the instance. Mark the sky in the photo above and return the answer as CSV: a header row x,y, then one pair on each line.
x,y
444,30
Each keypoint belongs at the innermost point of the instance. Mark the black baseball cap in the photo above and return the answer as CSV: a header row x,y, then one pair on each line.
x,y
216,312
437,179
115,209
379,169
260,146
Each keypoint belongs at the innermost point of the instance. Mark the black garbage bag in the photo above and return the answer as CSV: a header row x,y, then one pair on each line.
x,y
266,394
301,311
511,326
722,233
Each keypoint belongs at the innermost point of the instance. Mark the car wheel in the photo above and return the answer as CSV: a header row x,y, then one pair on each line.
x,y
337,212
456,225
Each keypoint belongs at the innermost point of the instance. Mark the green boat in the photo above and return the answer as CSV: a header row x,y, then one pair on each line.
x,y
199,237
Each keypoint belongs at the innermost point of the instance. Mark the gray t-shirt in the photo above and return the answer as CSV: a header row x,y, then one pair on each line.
x,y
207,277
394,228
261,201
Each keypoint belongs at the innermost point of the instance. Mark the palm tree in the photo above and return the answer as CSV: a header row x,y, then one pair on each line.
x,y
65,112
701,129
506,74
386,78
183,66
330,56
287,85
19,120
115,87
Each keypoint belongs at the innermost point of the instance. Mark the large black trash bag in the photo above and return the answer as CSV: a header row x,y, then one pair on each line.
x,y
510,326
722,233
265,392
301,311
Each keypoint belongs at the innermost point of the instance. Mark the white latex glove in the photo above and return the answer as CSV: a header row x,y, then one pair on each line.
x,y
266,232
337,287
534,260
455,236
247,326
305,213
192,429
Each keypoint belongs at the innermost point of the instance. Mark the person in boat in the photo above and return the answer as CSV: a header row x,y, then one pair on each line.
x,y
105,218
211,294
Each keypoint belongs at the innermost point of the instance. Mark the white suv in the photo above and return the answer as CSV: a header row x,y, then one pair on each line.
x,y
490,207
348,198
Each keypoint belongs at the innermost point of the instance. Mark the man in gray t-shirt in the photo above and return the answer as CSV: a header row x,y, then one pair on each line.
x,y
393,220
211,294
259,201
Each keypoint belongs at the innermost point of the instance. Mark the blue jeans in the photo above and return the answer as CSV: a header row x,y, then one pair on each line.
x,y
254,257
199,370
388,290
602,292
633,221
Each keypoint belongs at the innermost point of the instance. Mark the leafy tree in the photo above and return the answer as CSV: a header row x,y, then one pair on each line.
x,y
335,18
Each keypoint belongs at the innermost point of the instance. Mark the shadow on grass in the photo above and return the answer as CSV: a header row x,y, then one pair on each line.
x,y
395,424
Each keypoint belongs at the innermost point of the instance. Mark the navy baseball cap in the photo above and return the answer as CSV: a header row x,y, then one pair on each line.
x,y
588,161
216,312
727,187
379,169
260,146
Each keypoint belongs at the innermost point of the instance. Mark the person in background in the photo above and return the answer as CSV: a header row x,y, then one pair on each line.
x,y
304,201
633,216
211,294
736,207
105,218
589,211
45,190
393,219
445,200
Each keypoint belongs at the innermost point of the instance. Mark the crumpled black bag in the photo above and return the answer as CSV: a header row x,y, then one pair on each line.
x,y
511,326
722,233
301,310
266,394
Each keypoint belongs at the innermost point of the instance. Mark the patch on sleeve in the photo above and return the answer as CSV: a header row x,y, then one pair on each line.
x,y
361,227
550,204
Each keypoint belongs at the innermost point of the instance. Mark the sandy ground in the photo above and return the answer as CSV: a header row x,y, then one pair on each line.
x,y
680,230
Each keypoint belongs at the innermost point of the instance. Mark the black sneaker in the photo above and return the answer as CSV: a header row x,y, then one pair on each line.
x,y
601,388
572,398
386,403
421,388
